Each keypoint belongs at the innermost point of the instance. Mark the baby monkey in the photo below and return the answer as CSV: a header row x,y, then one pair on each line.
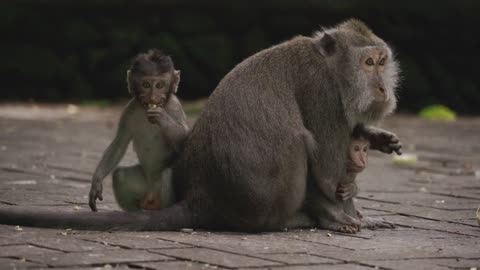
x,y
357,162
156,124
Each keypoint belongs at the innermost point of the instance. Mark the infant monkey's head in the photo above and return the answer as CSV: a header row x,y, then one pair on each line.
x,y
152,79
357,153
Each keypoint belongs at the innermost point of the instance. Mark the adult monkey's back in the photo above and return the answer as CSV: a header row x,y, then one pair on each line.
x,y
272,140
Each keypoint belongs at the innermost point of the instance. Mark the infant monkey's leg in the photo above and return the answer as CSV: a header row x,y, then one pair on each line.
x,y
160,194
129,187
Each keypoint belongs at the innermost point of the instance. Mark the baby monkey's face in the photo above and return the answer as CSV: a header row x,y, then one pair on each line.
x,y
358,155
154,90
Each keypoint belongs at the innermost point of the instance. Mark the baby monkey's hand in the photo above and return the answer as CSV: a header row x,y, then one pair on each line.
x,y
155,113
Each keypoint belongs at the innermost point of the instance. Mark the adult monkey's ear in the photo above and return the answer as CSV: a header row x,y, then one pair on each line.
x,y
176,80
129,86
327,45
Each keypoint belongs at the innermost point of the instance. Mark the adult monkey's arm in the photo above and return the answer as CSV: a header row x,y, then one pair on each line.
x,y
381,139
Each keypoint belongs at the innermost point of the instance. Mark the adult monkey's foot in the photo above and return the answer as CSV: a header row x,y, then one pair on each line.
x,y
343,224
376,223
338,227
373,223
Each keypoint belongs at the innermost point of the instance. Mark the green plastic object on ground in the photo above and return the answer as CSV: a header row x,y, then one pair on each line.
x,y
438,112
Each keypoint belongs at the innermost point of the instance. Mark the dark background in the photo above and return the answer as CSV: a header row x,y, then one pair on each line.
x,y
80,50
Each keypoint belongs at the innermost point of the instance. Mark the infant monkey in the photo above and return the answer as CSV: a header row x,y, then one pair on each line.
x,y
156,124
357,162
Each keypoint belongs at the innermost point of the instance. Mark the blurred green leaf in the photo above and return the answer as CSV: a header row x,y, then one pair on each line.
x,y
438,112
101,103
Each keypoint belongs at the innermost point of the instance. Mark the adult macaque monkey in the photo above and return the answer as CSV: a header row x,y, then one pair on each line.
x,y
156,124
270,147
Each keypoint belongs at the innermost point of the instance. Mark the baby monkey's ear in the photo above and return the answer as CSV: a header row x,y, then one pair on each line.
x,y
176,80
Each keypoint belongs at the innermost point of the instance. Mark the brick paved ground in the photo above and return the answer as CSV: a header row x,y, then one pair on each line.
x,y
47,155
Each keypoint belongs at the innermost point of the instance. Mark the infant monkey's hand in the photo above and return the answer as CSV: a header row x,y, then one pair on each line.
x,y
155,113
346,191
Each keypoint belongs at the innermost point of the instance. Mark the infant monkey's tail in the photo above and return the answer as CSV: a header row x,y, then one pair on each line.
x,y
173,218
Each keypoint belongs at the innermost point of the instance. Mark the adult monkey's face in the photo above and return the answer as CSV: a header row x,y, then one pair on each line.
x,y
377,77
373,61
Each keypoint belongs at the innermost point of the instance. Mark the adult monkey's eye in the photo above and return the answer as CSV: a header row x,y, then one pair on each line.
x,y
382,62
160,84
356,148
146,84
369,62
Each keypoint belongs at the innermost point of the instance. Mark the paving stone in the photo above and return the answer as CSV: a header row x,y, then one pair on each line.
x,y
100,267
69,244
320,266
10,231
140,241
406,264
459,263
97,258
426,200
24,251
247,243
367,239
435,225
178,265
8,263
297,258
56,239
7,241
32,198
430,252
215,257
372,213
473,222
419,211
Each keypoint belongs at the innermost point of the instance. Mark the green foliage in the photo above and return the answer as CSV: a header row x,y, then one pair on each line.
x,y
194,108
101,103
438,112
81,49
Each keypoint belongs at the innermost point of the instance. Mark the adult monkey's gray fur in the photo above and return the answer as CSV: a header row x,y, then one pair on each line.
x,y
270,146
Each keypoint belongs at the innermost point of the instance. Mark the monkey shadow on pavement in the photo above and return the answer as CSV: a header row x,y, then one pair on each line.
x,y
49,152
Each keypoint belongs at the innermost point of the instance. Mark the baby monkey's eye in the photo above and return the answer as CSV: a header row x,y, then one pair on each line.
x,y
365,149
146,84
369,62
356,148
160,84
382,62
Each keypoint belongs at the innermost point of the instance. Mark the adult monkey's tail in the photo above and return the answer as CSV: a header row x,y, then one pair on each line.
x,y
173,218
